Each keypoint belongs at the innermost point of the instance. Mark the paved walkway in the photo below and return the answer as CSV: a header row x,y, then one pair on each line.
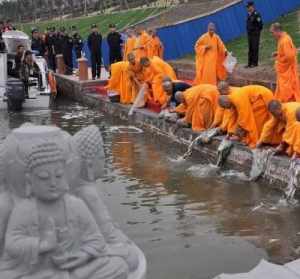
x,y
266,270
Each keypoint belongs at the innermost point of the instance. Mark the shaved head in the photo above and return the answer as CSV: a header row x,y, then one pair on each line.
x,y
167,85
275,108
276,30
131,58
211,28
179,97
223,87
145,61
225,102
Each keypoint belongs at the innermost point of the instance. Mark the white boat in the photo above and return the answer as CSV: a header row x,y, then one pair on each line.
x,y
38,94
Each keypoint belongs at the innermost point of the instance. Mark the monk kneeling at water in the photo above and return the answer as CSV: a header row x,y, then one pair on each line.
x,y
223,117
250,107
126,79
198,105
154,71
278,128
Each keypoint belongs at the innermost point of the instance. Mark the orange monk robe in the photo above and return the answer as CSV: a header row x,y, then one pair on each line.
x,y
154,75
200,105
129,46
119,81
251,111
275,130
155,47
291,128
135,74
291,137
209,63
288,86
225,118
141,45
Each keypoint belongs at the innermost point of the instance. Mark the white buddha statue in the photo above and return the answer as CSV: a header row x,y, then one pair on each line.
x,y
88,166
52,234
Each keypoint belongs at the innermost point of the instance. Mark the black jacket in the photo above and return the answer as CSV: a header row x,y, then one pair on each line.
x,y
95,42
114,41
254,23
38,46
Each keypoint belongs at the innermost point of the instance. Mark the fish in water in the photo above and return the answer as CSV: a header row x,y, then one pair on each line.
x,y
294,175
224,151
259,162
204,137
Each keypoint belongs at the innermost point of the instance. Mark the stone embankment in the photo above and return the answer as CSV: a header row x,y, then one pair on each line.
x,y
240,157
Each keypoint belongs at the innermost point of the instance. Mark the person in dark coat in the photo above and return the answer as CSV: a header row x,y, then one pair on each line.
x,y
114,40
254,28
60,40
27,70
50,45
67,51
2,45
77,42
18,60
95,44
37,44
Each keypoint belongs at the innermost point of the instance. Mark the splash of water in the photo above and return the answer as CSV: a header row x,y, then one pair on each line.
x,y
293,174
204,170
139,101
259,162
224,151
204,137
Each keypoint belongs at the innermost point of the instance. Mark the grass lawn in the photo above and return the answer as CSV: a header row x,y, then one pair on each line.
x,y
239,47
121,19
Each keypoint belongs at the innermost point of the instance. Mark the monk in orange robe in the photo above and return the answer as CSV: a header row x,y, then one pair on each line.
x,y
155,47
135,74
292,137
198,105
119,81
126,79
283,115
210,56
154,71
224,117
141,44
288,86
129,44
250,106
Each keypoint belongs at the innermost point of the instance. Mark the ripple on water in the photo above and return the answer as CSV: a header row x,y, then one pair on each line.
x,y
125,129
204,170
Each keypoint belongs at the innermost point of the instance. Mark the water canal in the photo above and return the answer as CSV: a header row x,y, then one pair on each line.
x,y
190,221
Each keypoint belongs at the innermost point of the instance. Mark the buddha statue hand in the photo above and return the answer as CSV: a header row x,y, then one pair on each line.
x,y
75,260
48,240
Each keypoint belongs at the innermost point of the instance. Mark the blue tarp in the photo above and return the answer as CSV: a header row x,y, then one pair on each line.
x,y
179,39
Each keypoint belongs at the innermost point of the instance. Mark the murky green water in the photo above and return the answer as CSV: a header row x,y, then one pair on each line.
x,y
190,221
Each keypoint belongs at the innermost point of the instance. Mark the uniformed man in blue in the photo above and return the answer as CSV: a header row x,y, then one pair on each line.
x,y
254,27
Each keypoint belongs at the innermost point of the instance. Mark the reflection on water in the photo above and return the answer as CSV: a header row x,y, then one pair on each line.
x,y
192,220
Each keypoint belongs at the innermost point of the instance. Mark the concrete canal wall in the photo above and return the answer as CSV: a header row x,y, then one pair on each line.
x,y
240,157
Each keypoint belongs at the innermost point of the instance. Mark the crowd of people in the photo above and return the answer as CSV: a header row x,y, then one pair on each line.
x,y
252,115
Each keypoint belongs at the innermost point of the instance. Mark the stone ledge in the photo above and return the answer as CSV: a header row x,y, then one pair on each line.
x,y
240,157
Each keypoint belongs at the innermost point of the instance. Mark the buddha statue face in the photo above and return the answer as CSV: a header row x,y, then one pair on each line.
x,y
48,181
